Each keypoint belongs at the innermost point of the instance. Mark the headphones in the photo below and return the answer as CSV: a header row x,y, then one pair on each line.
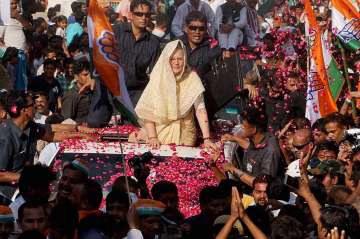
x,y
20,102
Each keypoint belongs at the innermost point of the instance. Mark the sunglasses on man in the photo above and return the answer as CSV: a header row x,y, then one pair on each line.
x,y
300,147
199,28
141,14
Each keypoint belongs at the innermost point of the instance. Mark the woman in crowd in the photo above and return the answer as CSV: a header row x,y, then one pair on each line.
x,y
9,61
169,101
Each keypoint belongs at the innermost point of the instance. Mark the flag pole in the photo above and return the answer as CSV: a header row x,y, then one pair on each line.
x,y
117,123
117,120
346,73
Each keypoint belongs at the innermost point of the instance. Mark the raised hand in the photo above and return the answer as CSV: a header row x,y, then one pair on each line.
x,y
285,129
345,151
234,204
132,218
305,159
90,84
334,234
304,187
240,206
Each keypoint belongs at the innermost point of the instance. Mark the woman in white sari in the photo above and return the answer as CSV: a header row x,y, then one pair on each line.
x,y
169,101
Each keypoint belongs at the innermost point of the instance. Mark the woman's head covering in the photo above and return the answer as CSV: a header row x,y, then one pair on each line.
x,y
166,97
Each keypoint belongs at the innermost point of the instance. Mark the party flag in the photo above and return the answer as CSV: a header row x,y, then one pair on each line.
x,y
319,101
346,23
335,78
106,59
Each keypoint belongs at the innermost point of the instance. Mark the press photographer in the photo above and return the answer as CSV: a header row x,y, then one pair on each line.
x,y
141,171
349,148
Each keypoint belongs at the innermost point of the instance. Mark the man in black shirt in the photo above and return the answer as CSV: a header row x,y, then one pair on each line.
x,y
47,83
212,205
18,137
260,150
138,48
201,50
84,105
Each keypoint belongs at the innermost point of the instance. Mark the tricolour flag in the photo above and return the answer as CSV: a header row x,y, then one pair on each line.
x,y
319,102
105,58
335,78
346,23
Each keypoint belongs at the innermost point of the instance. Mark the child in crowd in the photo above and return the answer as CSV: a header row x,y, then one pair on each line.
x,y
230,23
61,23
10,61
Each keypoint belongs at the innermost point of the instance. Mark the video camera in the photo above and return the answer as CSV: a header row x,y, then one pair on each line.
x,y
353,137
137,162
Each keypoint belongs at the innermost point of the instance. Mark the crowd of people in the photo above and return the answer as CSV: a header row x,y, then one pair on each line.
x,y
279,174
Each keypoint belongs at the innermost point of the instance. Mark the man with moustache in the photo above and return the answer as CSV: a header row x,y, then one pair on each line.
x,y
138,48
259,212
201,50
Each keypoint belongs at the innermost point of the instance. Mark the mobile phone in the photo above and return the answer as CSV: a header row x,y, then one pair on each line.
x,y
293,182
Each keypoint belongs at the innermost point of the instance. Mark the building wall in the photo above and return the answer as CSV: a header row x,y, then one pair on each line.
x,y
66,4
112,3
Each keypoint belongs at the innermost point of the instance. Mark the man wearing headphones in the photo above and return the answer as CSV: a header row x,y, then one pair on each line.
x,y
18,137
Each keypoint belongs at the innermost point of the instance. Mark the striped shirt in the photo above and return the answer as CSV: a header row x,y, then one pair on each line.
x,y
253,20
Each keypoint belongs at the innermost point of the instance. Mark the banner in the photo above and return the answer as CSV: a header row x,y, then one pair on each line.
x,y
335,78
4,12
105,58
346,23
319,101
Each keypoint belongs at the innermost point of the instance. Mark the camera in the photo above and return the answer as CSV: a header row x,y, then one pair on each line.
x,y
353,137
140,161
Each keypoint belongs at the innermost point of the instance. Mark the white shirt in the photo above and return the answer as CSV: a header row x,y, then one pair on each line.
x,y
136,234
60,32
178,22
40,71
15,205
14,35
159,33
40,118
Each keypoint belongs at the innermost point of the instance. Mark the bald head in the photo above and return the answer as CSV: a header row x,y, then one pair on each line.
x,y
301,141
302,136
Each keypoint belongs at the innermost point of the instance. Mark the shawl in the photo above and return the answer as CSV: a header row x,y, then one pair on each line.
x,y
167,98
